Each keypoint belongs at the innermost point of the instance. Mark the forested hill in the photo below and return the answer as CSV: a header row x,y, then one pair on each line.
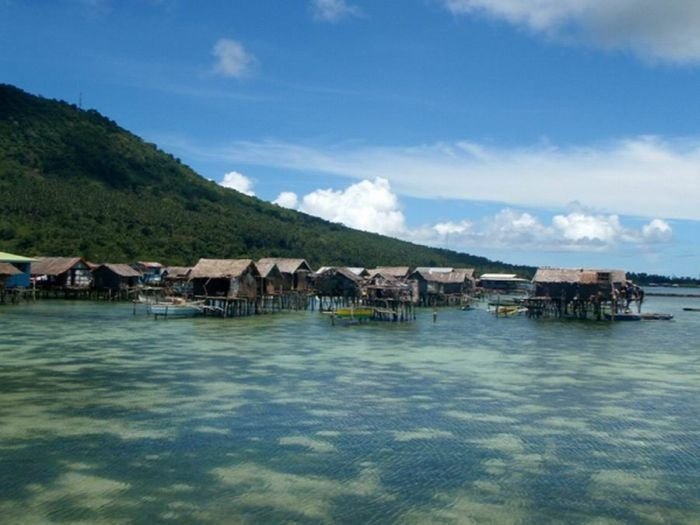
x,y
73,183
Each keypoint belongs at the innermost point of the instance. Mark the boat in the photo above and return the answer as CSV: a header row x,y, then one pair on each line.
x,y
631,316
509,310
176,308
690,309
657,317
623,316
352,315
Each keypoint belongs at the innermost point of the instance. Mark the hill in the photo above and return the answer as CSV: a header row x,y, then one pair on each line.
x,y
72,182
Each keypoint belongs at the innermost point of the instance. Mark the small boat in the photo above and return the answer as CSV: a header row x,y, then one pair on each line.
x,y
624,316
176,308
352,315
631,316
657,317
356,313
509,310
689,309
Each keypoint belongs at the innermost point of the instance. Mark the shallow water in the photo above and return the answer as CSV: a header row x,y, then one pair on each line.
x,y
107,417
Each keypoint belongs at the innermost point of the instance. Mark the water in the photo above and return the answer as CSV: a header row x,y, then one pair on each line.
x,y
109,418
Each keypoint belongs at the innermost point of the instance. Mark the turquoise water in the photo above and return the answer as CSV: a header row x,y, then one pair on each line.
x,y
109,418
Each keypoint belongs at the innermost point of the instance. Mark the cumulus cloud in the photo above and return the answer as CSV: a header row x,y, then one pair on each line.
x,y
232,60
373,206
575,231
332,10
368,205
657,30
287,199
657,231
642,176
239,182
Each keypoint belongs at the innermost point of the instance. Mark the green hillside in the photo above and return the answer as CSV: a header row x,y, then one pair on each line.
x,y
72,182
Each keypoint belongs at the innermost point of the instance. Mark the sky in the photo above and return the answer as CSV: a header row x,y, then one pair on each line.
x,y
543,132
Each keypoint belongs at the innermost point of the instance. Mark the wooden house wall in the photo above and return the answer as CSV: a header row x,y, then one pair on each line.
x,y
569,291
79,276
105,279
301,282
245,286
337,285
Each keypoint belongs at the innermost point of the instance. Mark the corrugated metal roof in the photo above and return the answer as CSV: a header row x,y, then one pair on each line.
x,y
425,270
499,277
176,272
55,265
221,268
7,269
12,258
149,264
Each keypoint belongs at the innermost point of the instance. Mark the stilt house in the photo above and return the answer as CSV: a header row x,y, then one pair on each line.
x,y
227,278
331,281
21,263
577,284
440,286
62,273
296,273
176,279
151,272
271,281
7,271
115,277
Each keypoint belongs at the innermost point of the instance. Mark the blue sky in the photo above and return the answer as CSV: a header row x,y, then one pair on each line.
x,y
543,132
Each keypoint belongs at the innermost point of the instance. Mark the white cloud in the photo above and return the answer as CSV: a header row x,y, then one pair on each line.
x,y
237,181
369,206
657,231
653,29
372,206
287,199
232,59
574,231
332,10
641,176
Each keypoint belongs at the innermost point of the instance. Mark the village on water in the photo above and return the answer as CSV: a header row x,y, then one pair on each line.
x,y
242,287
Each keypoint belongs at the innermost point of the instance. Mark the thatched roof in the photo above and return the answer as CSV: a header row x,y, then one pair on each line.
x,y
55,265
221,268
7,269
445,275
342,270
397,272
122,270
576,275
287,265
268,269
456,276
